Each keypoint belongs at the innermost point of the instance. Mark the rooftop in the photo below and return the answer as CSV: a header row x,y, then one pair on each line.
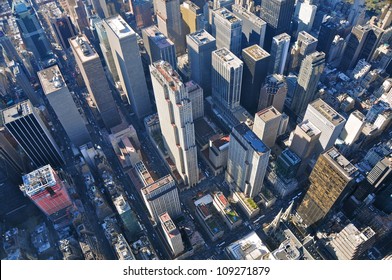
x,y
121,205
164,181
268,114
201,37
16,111
282,37
250,247
168,225
244,13
81,45
143,173
254,141
168,74
327,111
119,26
51,79
38,180
306,37
229,59
158,37
309,128
290,156
256,52
340,161
191,6
224,13
220,141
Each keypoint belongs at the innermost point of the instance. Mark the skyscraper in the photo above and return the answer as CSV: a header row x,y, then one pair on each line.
x,y
172,234
360,45
256,62
201,44
24,123
125,50
353,128
266,125
277,14
63,104
195,94
327,120
253,27
328,31
44,187
305,44
9,153
175,110
330,183
94,77
142,11
23,81
279,53
162,196
33,34
247,160
170,22
191,16
63,29
273,93
158,46
227,72
309,75
227,30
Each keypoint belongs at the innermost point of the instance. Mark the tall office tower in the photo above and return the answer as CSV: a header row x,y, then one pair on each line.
x,y
61,100
380,174
24,123
162,196
106,50
256,62
201,44
227,30
63,29
247,160
273,93
25,84
175,107
277,14
287,164
305,16
227,72
9,154
279,53
328,31
305,44
33,34
125,50
158,46
94,77
44,187
335,53
309,75
170,22
172,234
142,11
195,94
191,16
266,125
327,120
330,182
8,47
382,57
350,243
253,27
360,45
304,141
353,128
81,17
108,7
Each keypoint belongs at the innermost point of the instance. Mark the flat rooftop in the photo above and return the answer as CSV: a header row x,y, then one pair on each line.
x,y
167,73
201,37
254,141
327,111
191,6
256,52
220,141
225,14
168,225
81,45
16,111
268,114
309,128
119,26
306,37
121,205
340,162
143,173
289,155
245,14
229,59
38,180
168,179
282,37
51,79
158,37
